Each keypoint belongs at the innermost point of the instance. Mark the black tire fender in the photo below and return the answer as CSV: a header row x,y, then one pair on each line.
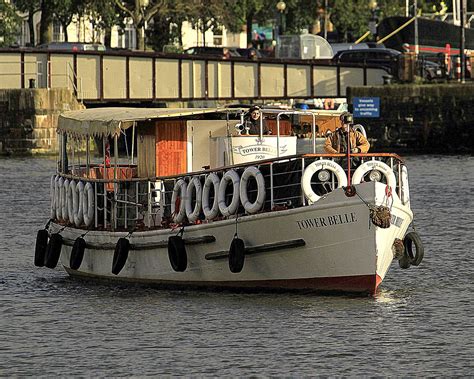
x,y
177,253
77,253
236,255
53,250
416,256
120,255
40,248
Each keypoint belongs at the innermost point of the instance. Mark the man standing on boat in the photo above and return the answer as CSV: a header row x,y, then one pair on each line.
x,y
337,141
253,123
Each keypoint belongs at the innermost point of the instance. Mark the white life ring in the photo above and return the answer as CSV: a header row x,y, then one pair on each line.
x,y
52,190
194,185
211,180
364,168
59,198
233,177
360,128
71,192
181,191
88,204
405,187
64,191
322,164
254,207
77,204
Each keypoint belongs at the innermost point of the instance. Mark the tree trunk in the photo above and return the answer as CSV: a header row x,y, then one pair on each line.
x,y
141,38
45,24
249,29
66,37
31,28
108,37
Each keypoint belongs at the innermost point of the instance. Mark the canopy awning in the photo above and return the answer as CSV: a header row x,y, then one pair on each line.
x,y
110,121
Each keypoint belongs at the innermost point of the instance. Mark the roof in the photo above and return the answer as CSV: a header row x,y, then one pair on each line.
x,y
110,121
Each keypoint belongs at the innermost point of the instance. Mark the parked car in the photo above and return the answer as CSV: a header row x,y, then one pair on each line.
x,y
387,59
72,46
212,50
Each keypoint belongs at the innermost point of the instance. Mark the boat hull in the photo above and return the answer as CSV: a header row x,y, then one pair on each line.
x,y
328,246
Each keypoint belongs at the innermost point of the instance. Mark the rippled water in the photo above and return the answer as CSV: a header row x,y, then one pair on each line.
x,y
420,323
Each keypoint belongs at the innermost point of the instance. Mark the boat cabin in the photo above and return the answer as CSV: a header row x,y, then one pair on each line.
x,y
122,168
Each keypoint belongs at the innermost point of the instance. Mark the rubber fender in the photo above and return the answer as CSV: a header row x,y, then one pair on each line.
x,y
415,256
120,255
77,253
177,253
40,248
404,262
53,251
236,255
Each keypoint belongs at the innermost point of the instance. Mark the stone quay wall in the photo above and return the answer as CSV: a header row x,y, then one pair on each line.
x,y
425,118
29,118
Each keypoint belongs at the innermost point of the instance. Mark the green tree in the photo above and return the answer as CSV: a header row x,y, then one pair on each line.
x,y
238,13
206,15
30,7
166,28
105,15
65,10
9,24
141,11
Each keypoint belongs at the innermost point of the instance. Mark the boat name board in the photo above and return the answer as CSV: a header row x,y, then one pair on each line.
x,y
326,221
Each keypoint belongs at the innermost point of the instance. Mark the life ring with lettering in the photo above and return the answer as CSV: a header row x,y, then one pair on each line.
x,y
71,193
77,253
412,238
40,247
322,164
52,190
405,187
211,180
178,201
364,168
77,204
252,172
360,128
53,250
88,204
177,253
120,255
230,176
329,104
194,185
236,255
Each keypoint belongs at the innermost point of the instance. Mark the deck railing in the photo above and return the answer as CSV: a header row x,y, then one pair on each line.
x,y
131,203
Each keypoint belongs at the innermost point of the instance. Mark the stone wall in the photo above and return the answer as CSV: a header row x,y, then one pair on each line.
x,y
429,118
29,117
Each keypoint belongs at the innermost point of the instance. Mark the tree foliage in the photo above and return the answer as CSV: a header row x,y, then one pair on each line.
x,y
9,24
29,7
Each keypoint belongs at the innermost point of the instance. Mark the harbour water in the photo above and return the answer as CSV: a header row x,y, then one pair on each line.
x,y
419,324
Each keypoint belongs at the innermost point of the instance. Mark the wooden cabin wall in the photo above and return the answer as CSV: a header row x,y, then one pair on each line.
x,y
146,151
171,146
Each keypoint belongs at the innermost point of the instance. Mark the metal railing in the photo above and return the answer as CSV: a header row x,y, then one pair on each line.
x,y
145,203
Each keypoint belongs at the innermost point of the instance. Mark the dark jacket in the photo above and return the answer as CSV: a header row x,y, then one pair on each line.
x,y
254,126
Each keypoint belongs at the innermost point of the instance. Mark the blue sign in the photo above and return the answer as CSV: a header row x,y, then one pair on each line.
x,y
366,106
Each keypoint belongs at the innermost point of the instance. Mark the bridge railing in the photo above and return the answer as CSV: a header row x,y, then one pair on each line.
x,y
113,77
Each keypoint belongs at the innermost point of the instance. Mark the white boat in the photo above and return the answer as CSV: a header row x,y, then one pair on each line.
x,y
187,198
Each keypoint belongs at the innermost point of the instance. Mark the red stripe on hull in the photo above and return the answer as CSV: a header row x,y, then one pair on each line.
x,y
357,284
